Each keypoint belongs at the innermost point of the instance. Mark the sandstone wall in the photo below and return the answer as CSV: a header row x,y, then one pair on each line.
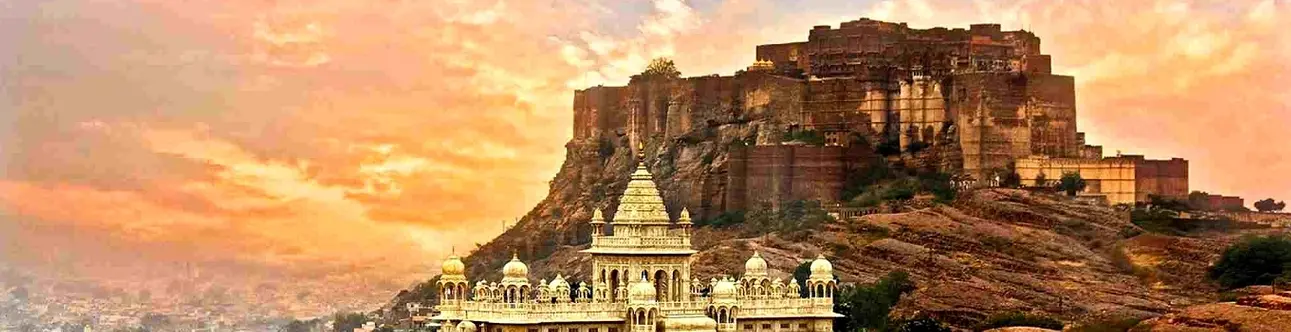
x,y
1220,202
598,109
765,176
1123,179
1167,178
1114,178
1006,116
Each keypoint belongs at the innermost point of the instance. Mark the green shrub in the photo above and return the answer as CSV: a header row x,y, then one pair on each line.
x,y
1253,261
888,147
868,306
919,324
916,146
1019,319
605,148
1071,183
725,219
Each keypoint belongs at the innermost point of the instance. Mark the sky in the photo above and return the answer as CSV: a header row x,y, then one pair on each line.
x,y
310,137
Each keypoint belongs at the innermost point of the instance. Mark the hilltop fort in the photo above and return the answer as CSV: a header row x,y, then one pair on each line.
x,y
979,102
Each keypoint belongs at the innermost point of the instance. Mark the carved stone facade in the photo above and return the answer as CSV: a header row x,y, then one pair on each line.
x,y
641,282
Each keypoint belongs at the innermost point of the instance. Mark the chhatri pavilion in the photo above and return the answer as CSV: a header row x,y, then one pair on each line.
x,y
642,282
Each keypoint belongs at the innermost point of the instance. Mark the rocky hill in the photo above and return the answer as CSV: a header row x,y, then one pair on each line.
x,y
988,251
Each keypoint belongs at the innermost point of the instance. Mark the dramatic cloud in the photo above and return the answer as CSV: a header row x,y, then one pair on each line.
x,y
360,136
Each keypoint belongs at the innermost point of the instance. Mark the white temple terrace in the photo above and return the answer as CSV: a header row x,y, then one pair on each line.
x,y
642,282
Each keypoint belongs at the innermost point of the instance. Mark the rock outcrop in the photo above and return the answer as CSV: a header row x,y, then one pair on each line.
x,y
1255,313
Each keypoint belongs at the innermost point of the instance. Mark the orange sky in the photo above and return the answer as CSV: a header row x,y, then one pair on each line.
x,y
358,134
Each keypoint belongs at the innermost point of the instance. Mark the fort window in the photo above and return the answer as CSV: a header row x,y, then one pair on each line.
x,y
533,330
614,329
784,326
748,327
766,326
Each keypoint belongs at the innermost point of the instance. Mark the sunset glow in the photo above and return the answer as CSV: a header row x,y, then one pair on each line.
x,y
367,139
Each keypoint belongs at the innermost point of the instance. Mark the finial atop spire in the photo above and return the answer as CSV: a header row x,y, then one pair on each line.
x,y
641,151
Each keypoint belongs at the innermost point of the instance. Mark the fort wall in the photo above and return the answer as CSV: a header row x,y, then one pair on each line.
x,y
1006,116
765,176
981,98
1122,179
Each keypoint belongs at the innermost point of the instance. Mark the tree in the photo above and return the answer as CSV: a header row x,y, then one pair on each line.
x,y
1040,180
346,322
1010,179
299,326
1253,261
1268,205
801,273
1199,201
661,68
868,306
1071,182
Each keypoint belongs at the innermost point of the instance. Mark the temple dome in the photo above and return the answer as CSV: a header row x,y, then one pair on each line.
x,y
515,269
452,266
755,266
641,202
724,290
821,268
466,326
559,282
641,291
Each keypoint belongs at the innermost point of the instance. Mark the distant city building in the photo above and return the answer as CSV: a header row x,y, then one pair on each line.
x,y
641,282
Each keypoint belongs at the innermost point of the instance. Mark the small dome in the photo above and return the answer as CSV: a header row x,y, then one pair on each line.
x,y
821,268
515,269
755,266
641,291
452,266
724,290
685,217
597,217
466,326
559,282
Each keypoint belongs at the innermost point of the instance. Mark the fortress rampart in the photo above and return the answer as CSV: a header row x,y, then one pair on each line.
x,y
984,93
